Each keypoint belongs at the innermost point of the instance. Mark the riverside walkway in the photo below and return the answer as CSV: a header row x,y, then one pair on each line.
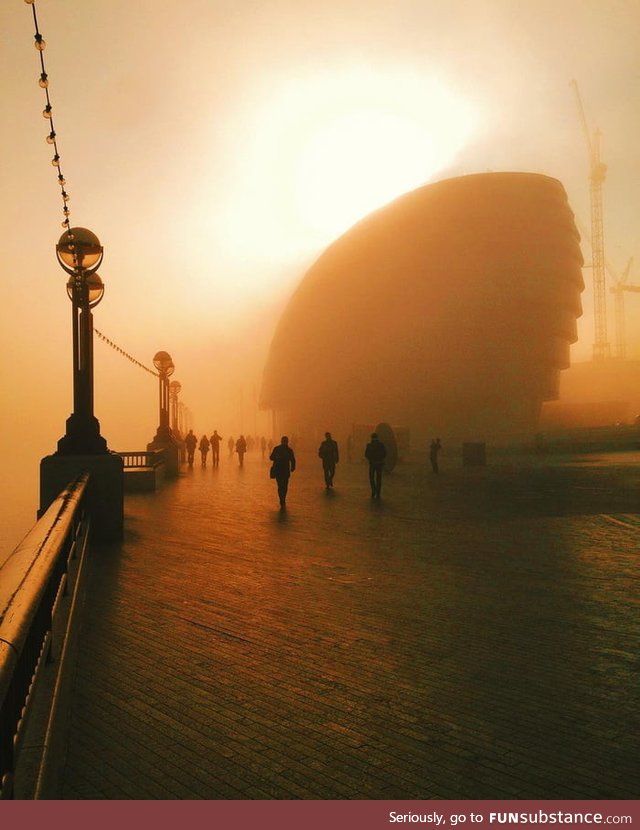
x,y
474,635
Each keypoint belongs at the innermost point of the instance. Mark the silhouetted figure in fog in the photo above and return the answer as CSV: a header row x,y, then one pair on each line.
x,y
241,448
215,448
190,442
231,445
203,446
263,445
330,456
434,450
375,453
284,463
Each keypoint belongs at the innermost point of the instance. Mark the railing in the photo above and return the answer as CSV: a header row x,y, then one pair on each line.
x,y
134,460
33,582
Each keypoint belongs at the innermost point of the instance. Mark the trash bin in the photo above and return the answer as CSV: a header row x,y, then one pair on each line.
x,y
474,454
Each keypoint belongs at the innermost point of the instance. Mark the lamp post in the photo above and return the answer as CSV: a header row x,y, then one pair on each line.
x,y
175,387
80,254
164,438
83,449
164,364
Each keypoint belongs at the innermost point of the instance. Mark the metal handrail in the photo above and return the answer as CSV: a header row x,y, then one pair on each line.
x,y
32,581
142,458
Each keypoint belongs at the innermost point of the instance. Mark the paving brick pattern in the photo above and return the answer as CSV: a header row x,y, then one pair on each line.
x,y
474,635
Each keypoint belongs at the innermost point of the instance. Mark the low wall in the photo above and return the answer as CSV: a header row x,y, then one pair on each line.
x,y
144,470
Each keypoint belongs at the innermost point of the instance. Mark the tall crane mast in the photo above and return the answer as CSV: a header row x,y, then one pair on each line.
x,y
618,289
597,174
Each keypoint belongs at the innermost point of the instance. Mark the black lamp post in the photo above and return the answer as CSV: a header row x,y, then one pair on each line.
x,y
175,387
83,449
164,364
80,254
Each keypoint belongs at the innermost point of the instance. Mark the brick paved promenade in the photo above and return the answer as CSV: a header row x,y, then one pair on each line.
x,y
473,635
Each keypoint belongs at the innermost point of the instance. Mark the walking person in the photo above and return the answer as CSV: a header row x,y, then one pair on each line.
x,y
434,449
215,448
231,445
375,453
284,463
190,442
241,448
203,446
330,456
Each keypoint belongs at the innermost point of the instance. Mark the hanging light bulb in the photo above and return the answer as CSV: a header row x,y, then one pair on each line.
x,y
65,196
43,81
65,224
46,112
40,43
61,179
56,160
51,138
66,210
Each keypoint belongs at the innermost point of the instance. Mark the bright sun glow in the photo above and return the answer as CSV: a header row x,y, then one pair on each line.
x,y
355,163
318,153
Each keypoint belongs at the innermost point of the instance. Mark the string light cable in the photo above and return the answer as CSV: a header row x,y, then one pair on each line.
x,y
124,353
43,81
52,139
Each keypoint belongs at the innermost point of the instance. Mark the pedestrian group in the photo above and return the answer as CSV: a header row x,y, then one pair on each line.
x,y
283,457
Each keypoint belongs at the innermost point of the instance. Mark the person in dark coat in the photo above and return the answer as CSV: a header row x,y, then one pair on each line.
x,y
434,449
375,453
330,456
191,442
241,448
284,463
215,448
203,446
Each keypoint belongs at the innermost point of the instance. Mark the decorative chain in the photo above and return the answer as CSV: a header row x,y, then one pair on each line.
x,y
122,351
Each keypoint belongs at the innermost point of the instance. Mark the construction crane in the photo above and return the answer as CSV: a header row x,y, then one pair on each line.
x,y
619,287
597,174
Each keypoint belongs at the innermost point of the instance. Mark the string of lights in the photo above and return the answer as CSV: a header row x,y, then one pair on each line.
x,y
43,81
123,353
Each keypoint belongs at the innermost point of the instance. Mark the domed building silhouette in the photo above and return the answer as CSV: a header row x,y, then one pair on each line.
x,y
449,311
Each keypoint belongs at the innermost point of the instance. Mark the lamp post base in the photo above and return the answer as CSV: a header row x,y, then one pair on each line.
x,y
105,493
171,453
82,437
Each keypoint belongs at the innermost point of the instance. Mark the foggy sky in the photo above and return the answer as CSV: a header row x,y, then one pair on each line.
x,y
177,123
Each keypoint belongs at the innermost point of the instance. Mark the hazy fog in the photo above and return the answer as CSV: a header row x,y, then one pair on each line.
x,y
217,147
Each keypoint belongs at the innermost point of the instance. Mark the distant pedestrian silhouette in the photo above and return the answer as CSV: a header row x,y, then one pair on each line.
x,y
190,442
215,448
284,463
375,453
241,448
434,450
203,446
330,456
231,445
263,445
